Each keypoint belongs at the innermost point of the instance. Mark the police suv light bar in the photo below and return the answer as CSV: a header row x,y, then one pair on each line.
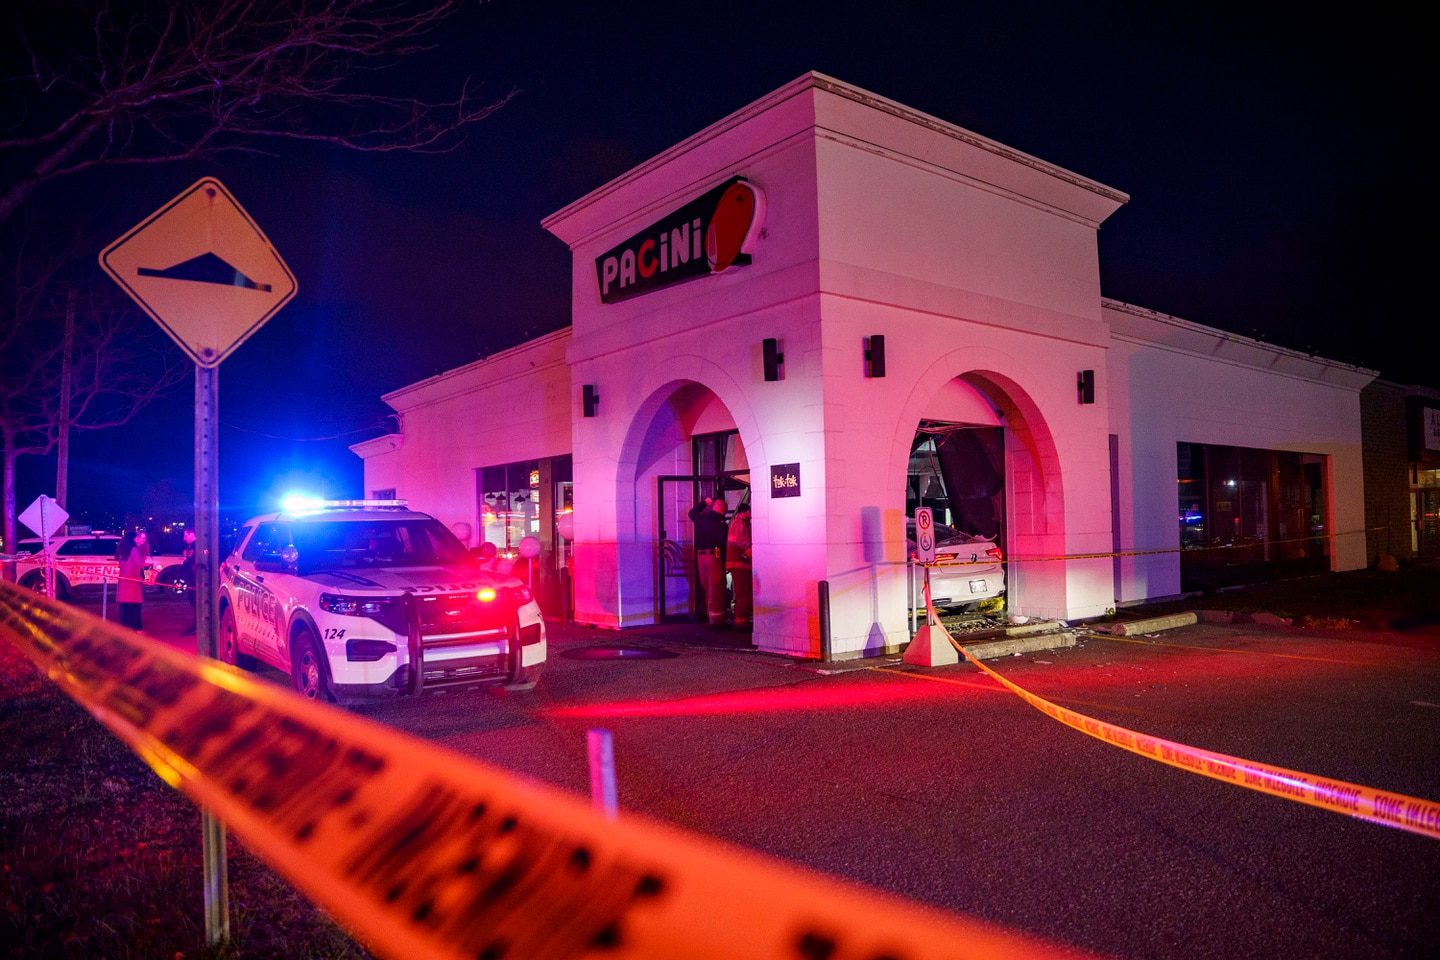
x,y
299,504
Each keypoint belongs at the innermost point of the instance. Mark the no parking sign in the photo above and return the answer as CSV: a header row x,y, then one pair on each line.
x,y
925,535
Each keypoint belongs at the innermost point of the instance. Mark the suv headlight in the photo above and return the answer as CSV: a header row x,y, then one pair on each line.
x,y
521,596
372,607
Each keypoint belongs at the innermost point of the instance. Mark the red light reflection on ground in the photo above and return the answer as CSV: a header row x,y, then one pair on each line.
x,y
818,695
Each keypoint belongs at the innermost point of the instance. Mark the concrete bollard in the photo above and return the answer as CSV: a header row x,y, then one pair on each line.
x,y
1154,624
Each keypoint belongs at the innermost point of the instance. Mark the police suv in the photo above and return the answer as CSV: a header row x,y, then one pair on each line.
x,y
357,598
85,561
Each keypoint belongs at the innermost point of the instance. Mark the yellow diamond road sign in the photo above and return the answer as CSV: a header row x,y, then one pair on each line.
x,y
203,270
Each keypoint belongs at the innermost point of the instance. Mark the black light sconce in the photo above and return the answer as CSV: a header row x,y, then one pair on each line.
x,y
589,399
875,356
1085,386
773,357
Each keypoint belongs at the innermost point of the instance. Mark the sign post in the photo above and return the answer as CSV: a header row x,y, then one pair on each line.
x,y
203,270
929,647
925,545
45,516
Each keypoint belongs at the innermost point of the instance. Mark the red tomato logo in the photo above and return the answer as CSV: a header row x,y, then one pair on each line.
x,y
735,214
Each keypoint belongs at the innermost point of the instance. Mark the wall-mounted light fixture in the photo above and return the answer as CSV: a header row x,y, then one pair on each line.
x,y
875,356
770,347
589,399
1085,386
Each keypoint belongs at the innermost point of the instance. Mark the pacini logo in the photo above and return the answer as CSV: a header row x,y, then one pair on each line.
x,y
708,235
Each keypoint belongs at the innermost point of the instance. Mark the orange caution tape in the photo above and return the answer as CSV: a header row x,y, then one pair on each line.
x,y
1352,799
1158,551
422,852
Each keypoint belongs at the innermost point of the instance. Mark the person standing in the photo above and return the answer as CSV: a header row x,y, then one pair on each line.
x,y
187,575
133,554
737,561
710,535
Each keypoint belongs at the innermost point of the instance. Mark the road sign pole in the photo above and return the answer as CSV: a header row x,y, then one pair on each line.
x,y
45,552
204,271
206,585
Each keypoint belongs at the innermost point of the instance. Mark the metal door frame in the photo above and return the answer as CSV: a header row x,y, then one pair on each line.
x,y
719,480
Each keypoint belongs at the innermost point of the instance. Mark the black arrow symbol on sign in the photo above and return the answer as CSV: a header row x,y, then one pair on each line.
x,y
206,268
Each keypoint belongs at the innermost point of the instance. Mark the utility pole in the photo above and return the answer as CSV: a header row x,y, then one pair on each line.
x,y
62,464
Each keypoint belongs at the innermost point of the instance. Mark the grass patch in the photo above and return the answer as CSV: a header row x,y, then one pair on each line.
x,y
99,858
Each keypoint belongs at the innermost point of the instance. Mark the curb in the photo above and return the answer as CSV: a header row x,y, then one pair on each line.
x,y
1152,625
1014,646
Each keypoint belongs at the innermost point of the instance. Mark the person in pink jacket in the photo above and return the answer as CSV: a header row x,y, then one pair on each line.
x,y
132,553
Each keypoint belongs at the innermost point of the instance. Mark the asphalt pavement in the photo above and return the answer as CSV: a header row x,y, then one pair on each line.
x,y
939,785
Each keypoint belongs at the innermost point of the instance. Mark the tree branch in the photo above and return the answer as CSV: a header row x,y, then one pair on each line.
x,y
173,80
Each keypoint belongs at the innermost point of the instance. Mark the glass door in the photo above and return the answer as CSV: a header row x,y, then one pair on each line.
x,y
676,588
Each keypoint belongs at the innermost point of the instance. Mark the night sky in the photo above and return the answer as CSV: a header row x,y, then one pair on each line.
x,y
1273,164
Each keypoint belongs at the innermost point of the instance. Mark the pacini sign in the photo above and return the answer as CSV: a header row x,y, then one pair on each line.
x,y
708,235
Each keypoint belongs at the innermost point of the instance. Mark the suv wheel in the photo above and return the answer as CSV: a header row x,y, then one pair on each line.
x,y
521,677
36,581
229,639
309,673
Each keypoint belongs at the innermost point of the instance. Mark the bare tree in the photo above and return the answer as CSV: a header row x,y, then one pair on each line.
x,y
50,383
98,85
166,80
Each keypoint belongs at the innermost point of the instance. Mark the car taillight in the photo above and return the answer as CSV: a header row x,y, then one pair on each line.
x,y
994,553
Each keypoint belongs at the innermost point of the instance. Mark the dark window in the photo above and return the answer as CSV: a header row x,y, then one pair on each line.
x,y
1248,515
720,456
269,540
228,542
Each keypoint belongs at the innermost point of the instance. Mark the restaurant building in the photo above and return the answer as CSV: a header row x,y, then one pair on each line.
x,y
840,308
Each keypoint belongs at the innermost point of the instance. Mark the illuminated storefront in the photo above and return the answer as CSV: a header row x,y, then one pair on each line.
x,y
839,308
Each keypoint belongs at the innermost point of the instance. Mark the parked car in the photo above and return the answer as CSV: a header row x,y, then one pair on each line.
x,y
968,568
364,598
83,562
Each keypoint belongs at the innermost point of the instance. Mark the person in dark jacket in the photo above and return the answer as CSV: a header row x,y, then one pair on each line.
x,y
187,574
133,553
710,534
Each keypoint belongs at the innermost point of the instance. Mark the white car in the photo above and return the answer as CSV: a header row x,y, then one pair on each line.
x,y
967,568
367,598
83,561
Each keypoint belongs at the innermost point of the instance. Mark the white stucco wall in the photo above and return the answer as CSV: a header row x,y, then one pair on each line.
x,y
512,406
979,266
1172,381
967,256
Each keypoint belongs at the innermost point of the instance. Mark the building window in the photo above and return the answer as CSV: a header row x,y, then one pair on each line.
x,y
718,461
1247,515
522,499
510,504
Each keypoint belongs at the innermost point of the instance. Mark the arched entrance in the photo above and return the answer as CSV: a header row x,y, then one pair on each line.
x,y
982,457
683,445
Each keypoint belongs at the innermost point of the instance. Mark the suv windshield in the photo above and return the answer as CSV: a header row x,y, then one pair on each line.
x,y
348,544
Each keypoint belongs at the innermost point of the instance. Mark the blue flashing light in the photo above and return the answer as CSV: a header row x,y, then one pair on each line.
x,y
299,503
